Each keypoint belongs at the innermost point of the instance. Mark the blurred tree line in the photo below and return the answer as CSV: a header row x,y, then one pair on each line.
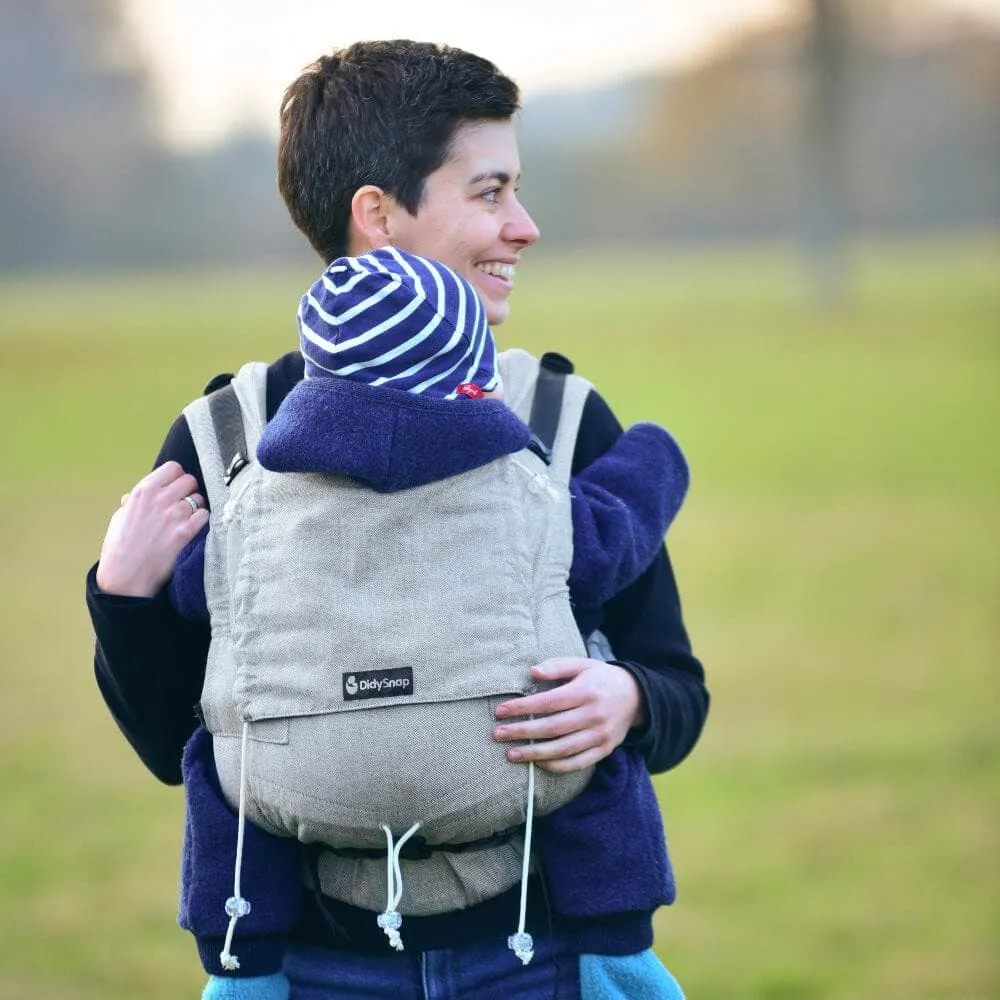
x,y
85,180
855,115
724,150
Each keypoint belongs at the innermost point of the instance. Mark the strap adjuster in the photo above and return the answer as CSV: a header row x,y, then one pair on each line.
x,y
537,447
235,467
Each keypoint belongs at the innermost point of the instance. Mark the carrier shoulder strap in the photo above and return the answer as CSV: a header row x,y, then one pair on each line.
x,y
226,425
547,396
546,407
227,422
553,400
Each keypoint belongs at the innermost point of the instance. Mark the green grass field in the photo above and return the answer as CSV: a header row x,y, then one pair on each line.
x,y
834,833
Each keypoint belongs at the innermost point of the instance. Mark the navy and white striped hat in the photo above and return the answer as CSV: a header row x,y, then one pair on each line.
x,y
390,318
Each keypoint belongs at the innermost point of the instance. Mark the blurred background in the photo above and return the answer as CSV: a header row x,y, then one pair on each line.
x,y
773,226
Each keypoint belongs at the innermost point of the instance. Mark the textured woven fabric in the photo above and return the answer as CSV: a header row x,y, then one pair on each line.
x,y
469,579
395,319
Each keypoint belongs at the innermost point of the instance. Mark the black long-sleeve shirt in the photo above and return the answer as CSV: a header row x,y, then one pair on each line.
x,y
150,662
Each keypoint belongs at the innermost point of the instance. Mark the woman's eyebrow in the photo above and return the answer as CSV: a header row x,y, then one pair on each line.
x,y
500,176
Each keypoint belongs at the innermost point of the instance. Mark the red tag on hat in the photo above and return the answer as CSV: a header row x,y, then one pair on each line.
x,y
471,390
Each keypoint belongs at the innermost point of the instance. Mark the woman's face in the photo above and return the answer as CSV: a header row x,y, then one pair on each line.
x,y
470,217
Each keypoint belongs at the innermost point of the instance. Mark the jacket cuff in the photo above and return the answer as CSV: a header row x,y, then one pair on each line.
x,y
258,954
640,738
106,605
614,934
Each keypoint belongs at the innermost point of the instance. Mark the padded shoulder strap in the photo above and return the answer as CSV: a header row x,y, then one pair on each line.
x,y
250,386
546,407
549,399
230,437
226,425
554,398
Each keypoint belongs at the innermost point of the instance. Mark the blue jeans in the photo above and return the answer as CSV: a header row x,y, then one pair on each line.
x,y
478,972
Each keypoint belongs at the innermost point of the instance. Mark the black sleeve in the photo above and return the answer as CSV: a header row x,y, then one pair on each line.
x,y
150,665
646,631
150,662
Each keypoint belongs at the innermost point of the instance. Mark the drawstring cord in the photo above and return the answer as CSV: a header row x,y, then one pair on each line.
x,y
236,905
522,943
390,919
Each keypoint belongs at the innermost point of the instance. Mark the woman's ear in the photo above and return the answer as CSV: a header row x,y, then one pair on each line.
x,y
371,209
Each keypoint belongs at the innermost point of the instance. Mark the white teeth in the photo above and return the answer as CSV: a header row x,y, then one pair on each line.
x,y
498,270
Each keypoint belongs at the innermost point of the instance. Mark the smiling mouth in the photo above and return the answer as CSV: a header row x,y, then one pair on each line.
x,y
497,270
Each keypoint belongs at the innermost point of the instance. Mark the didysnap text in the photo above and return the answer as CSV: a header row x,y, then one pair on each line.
x,y
378,683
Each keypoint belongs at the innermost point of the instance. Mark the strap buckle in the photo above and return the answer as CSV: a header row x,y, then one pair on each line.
x,y
537,447
235,467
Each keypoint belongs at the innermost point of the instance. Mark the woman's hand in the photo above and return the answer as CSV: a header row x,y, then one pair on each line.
x,y
146,534
577,723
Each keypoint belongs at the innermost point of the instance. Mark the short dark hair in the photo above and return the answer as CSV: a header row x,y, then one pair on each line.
x,y
382,113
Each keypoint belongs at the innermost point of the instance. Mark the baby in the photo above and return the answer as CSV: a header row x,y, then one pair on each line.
x,y
403,389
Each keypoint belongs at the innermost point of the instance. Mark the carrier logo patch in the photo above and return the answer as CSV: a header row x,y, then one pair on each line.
x,y
378,683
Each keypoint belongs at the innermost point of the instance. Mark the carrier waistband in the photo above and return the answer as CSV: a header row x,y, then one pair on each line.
x,y
416,847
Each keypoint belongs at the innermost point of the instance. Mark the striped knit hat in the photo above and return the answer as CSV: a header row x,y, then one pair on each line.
x,y
389,318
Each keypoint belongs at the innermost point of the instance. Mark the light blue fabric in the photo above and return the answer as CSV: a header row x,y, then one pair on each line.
x,y
274,987
626,977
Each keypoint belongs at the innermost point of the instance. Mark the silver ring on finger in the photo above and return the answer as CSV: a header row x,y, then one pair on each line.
x,y
192,502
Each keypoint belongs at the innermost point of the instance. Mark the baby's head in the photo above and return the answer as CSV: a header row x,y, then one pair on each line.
x,y
393,319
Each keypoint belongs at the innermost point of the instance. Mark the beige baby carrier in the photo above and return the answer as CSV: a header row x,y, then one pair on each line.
x,y
361,642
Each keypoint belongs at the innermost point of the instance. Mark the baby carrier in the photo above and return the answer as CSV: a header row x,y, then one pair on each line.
x,y
361,642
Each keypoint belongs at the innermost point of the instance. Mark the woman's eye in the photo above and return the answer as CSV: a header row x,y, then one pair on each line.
x,y
492,194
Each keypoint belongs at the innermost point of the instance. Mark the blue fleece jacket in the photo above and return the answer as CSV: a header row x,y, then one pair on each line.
x,y
603,855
